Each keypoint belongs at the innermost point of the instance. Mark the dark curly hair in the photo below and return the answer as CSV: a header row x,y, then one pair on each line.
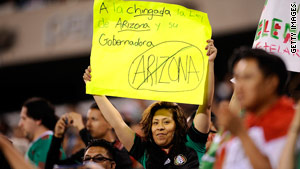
x,y
111,150
41,109
178,117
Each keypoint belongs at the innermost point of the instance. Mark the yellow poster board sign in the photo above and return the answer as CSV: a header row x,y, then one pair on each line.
x,y
149,50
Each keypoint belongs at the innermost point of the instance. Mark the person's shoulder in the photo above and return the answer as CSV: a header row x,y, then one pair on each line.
x,y
46,137
43,142
286,103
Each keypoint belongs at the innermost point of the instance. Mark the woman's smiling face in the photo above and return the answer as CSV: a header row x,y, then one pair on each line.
x,y
163,127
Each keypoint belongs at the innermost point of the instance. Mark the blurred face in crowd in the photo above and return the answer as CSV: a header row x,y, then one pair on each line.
x,y
100,156
96,124
163,127
252,88
27,124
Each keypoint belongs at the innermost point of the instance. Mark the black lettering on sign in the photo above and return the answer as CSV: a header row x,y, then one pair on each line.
x,y
114,41
103,7
131,26
177,69
148,12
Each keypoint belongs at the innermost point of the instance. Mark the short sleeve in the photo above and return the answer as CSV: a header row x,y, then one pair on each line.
x,y
138,150
196,140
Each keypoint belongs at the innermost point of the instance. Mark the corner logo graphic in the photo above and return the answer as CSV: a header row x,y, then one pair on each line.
x,y
180,160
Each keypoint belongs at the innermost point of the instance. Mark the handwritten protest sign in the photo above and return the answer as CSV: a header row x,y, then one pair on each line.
x,y
278,31
149,50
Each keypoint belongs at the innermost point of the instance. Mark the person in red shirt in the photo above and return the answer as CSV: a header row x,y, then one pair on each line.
x,y
258,138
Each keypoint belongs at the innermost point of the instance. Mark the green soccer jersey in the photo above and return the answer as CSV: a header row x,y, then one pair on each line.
x,y
38,150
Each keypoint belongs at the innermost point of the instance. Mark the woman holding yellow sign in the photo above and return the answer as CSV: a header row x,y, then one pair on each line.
x,y
168,142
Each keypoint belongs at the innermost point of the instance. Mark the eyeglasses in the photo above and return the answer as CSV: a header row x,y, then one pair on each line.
x,y
96,159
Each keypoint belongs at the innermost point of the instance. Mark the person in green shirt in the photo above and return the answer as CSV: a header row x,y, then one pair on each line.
x,y
37,120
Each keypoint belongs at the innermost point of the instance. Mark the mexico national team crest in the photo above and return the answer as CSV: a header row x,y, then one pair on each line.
x,y
180,160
